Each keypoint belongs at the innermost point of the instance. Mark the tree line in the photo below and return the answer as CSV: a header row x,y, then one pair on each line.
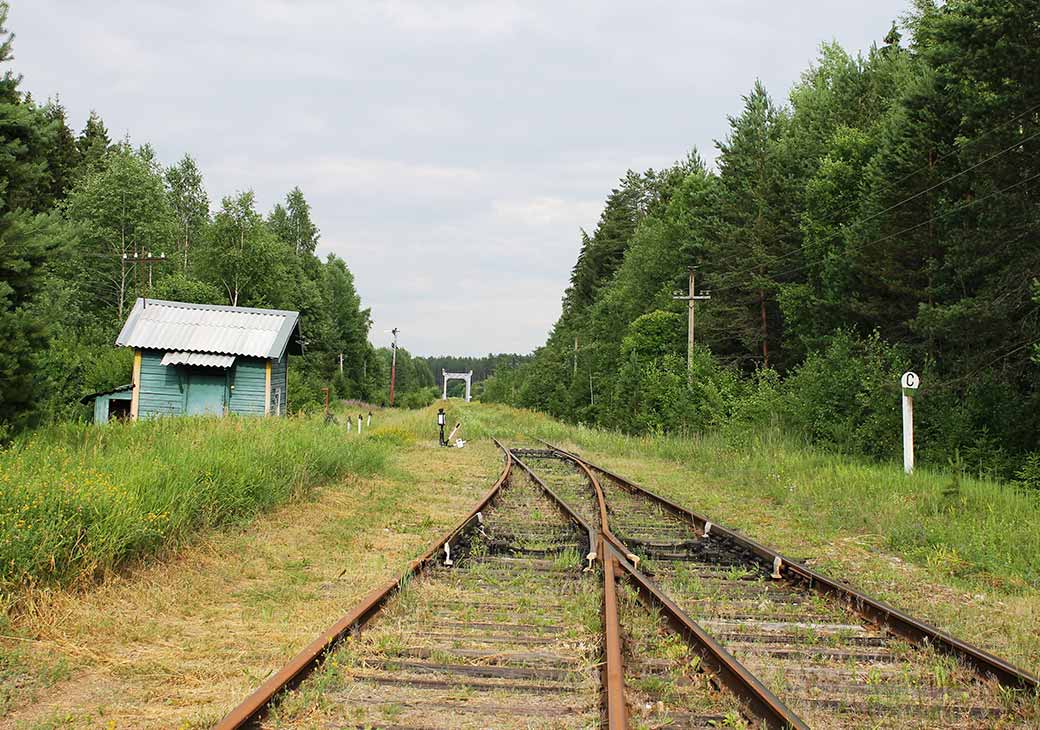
x,y
882,218
87,224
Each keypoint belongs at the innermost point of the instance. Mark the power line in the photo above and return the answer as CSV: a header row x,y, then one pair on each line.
x,y
891,235
939,159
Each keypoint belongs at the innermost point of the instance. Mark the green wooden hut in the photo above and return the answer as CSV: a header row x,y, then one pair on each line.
x,y
209,359
111,404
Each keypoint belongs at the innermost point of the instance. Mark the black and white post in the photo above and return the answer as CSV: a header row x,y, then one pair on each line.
x,y
910,382
440,423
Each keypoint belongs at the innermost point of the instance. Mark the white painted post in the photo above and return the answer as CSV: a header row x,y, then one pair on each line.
x,y
359,424
909,383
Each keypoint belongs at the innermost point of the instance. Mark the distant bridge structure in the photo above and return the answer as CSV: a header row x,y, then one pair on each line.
x,y
446,376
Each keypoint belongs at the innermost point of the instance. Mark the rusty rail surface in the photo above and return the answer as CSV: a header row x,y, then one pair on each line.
x,y
869,608
256,705
761,701
613,672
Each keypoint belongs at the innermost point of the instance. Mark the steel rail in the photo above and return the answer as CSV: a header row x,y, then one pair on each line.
x,y
563,506
617,710
871,609
761,701
256,705
614,670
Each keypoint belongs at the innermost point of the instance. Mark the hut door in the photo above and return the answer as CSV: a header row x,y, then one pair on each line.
x,y
206,389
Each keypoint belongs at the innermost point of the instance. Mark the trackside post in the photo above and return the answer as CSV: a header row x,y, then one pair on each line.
x,y
910,382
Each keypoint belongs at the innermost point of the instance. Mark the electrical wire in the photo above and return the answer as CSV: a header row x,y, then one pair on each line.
x,y
934,218
939,184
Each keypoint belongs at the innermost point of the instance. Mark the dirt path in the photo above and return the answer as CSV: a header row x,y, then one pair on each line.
x,y
178,643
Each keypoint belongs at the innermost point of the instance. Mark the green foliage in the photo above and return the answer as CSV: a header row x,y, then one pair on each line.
x,y
1028,475
121,210
847,396
76,501
241,252
653,336
883,218
419,398
190,204
179,287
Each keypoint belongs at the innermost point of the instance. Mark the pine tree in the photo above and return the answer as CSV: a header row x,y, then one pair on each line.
x,y
93,144
63,158
756,236
26,244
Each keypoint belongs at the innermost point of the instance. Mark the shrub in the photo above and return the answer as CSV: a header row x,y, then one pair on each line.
x,y
847,396
418,398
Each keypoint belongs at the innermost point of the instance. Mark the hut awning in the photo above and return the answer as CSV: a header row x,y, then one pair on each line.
x,y
209,328
110,391
202,359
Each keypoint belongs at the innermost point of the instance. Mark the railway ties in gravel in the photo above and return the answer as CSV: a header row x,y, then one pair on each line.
x,y
511,620
533,613
828,664
502,630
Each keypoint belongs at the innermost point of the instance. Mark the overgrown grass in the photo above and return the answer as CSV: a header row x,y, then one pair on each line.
x,y
982,531
77,500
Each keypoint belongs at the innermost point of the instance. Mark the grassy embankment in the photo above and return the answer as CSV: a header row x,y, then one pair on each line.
x,y
77,500
171,641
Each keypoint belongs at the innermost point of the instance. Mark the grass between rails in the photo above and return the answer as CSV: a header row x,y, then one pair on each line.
x,y
78,500
959,552
977,530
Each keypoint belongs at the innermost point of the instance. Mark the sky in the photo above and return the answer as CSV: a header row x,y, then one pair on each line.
x,y
451,151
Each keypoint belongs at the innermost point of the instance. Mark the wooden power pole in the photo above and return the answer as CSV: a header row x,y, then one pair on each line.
x,y
393,372
692,298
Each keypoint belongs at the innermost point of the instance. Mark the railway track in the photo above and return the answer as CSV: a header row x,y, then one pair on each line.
x,y
835,657
570,597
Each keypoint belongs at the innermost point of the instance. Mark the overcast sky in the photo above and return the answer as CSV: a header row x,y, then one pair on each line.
x,y
451,151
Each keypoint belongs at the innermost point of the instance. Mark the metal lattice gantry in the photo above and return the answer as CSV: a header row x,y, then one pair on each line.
x,y
446,376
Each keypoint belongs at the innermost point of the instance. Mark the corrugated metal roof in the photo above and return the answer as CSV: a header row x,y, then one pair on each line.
x,y
203,359
182,326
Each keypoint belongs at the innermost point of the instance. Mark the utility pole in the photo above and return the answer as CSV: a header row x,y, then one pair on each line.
x,y
393,371
149,259
341,363
692,298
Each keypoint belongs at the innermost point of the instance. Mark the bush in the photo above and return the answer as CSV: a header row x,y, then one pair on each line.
x,y
1028,475
847,397
418,398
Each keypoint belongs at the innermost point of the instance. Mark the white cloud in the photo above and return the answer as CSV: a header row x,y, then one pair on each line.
x,y
450,150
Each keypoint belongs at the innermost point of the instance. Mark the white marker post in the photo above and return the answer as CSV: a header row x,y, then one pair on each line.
x,y
910,383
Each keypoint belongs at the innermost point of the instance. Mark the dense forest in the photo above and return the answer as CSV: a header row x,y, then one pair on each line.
x,y
884,217
89,223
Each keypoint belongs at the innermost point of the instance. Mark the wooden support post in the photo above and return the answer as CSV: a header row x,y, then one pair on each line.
x,y
135,398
